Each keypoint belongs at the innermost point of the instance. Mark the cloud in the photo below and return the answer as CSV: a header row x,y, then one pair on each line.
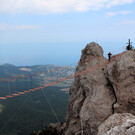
x,y
56,6
18,27
2,26
23,27
119,2
109,14
126,22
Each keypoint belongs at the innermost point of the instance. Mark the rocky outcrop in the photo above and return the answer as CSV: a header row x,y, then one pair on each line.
x,y
121,74
118,124
106,88
101,88
91,96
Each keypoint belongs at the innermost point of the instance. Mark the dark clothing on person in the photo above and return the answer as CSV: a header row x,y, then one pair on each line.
x,y
109,56
128,48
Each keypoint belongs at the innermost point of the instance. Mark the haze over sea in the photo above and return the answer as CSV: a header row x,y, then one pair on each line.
x,y
50,53
55,31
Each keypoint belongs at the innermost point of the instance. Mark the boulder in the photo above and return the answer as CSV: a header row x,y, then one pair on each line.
x,y
118,124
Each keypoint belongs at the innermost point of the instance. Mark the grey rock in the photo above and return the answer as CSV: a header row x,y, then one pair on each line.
x,y
101,88
118,124
121,74
91,97
98,93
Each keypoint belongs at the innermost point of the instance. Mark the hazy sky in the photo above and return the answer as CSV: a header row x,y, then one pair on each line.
x,y
55,31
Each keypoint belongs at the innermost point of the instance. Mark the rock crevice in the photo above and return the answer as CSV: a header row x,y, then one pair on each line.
x,y
115,96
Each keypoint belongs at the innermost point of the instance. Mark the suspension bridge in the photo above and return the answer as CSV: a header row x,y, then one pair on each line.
x,y
7,79
41,87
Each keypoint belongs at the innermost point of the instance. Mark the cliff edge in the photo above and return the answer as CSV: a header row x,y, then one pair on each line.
x,y
101,89
100,92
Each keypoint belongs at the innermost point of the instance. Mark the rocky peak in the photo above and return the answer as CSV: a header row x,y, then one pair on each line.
x,y
100,92
105,88
89,94
90,56
93,49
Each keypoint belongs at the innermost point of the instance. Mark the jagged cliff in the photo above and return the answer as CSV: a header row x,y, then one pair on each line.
x,y
91,96
103,89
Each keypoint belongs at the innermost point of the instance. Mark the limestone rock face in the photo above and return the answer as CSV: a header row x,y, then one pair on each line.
x,y
118,124
91,96
121,74
100,89
106,88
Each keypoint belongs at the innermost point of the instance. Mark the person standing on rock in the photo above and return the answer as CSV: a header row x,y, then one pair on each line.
x,y
129,47
109,56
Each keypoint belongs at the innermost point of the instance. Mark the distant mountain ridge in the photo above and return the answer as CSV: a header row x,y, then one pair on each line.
x,y
8,70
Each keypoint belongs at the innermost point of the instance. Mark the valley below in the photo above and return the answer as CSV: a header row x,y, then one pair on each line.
x,y
23,114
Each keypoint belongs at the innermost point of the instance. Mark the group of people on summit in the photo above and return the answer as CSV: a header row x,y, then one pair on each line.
x,y
128,47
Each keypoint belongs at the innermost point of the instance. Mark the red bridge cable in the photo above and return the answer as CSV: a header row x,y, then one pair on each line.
x,y
38,73
23,76
61,80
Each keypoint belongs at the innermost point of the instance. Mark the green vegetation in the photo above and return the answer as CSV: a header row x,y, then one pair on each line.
x,y
30,112
35,114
